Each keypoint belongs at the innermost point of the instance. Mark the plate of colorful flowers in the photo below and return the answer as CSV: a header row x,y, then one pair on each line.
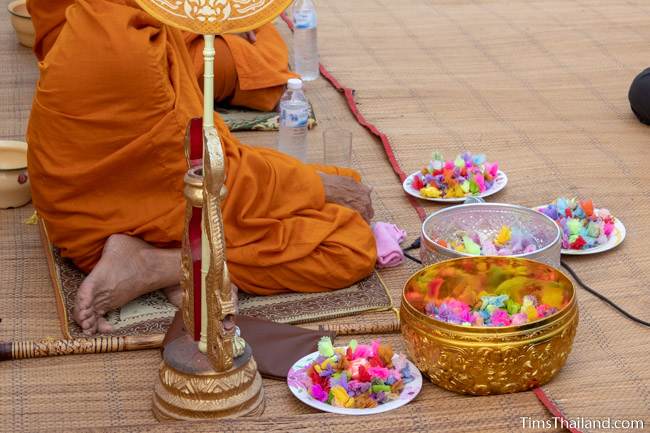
x,y
358,379
452,181
585,229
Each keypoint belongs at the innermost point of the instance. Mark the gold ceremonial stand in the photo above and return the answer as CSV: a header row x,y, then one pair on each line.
x,y
215,377
224,382
188,388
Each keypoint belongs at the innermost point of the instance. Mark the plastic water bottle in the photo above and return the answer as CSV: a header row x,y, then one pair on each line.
x,y
305,40
294,116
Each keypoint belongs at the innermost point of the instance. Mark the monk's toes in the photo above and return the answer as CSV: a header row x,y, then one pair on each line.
x,y
89,326
80,315
103,326
85,317
94,324
86,293
174,295
84,311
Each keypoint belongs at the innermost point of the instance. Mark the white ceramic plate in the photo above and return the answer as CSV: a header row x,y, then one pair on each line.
x,y
499,183
410,391
614,240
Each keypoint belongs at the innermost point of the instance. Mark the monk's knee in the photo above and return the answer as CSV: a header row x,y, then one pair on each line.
x,y
639,96
260,99
354,260
367,256
365,263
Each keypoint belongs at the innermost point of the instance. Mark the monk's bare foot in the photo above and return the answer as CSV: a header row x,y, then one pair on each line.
x,y
174,295
128,268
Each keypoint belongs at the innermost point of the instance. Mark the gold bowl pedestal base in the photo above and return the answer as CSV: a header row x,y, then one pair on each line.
x,y
189,389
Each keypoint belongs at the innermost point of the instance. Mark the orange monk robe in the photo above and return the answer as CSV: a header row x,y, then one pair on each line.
x,y
246,75
106,156
250,75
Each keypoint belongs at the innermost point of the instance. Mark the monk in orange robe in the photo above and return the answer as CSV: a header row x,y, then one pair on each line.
x,y
106,159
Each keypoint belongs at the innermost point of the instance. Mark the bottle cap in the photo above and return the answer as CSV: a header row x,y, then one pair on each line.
x,y
294,83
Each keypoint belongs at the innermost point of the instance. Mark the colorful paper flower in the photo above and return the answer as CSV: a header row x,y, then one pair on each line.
x,y
583,226
325,347
318,393
340,397
503,237
500,317
467,174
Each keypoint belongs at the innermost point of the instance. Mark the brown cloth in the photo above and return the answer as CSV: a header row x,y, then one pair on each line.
x,y
276,346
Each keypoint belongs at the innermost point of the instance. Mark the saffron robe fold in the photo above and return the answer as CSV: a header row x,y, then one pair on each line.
x,y
106,155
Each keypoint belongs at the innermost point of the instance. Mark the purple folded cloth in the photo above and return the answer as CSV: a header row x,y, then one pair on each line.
x,y
388,237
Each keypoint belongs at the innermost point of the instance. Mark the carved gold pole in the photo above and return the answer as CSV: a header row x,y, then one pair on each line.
x,y
208,123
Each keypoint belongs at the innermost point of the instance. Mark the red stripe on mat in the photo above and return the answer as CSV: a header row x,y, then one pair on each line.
x,y
390,154
552,407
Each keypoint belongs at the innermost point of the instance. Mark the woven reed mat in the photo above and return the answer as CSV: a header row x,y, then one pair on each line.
x,y
535,84
541,86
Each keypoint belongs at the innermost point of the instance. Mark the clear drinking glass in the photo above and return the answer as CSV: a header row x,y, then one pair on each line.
x,y
337,147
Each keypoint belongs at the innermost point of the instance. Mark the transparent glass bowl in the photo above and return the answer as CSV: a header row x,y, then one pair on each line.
x,y
488,218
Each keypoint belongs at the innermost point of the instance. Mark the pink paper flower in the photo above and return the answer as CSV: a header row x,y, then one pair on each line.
x,y
317,392
480,181
500,318
519,319
544,310
380,372
492,168
608,229
455,311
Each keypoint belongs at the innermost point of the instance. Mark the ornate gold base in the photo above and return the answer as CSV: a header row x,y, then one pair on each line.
x,y
189,389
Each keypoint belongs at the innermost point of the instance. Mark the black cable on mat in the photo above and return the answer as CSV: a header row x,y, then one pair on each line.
x,y
602,297
413,246
408,256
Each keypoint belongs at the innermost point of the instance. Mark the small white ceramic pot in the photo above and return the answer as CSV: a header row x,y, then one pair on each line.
x,y
22,22
14,180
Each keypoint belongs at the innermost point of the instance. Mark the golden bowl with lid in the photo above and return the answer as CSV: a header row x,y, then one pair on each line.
x,y
483,360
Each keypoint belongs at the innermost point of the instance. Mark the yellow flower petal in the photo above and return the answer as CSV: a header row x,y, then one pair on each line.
x,y
503,237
